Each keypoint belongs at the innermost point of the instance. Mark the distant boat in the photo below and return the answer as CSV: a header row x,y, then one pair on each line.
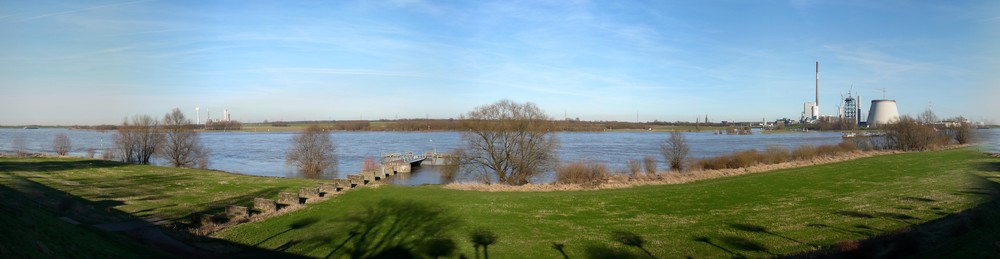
x,y
30,127
850,135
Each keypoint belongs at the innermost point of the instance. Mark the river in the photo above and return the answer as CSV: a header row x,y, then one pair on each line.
x,y
255,153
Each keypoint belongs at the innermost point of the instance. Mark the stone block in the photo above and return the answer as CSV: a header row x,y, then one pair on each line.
x,y
309,192
327,187
368,176
342,184
288,198
264,205
356,180
234,212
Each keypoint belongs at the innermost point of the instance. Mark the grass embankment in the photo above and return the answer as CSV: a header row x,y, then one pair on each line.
x,y
30,230
36,192
759,215
140,190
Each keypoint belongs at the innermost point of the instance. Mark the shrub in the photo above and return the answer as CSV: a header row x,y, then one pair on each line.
x,y
743,159
675,151
908,134
847,146
827,150
964,133
649,162
634,166
584,173
804,153
776,155
61,144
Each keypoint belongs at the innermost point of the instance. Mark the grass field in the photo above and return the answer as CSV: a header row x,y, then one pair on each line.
x,y
758,215
140,190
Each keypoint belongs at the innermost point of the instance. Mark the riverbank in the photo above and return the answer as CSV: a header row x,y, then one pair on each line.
x,y
774,213
661,178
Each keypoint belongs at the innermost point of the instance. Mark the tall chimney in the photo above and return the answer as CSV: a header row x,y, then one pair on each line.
x,y
817,83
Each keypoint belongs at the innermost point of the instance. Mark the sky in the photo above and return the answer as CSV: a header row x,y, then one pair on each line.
x,y
97,62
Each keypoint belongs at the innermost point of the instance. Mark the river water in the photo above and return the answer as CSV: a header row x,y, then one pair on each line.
x,y
263,154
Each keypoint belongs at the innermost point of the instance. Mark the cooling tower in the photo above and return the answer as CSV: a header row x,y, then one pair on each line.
x,y
882,112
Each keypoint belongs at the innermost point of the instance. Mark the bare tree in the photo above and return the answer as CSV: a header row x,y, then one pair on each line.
x,y
137,140
675,151
312,151
181,144
513,141
964,132
61,144
928,117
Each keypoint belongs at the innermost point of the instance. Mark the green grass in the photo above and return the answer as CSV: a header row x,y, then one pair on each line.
x,y
758,215
141,190
32,231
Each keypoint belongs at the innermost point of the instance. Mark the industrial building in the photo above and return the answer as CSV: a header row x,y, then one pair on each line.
x,y
882,112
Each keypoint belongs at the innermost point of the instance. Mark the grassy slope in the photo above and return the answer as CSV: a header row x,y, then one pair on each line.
x,y
755,215
31,231
143,191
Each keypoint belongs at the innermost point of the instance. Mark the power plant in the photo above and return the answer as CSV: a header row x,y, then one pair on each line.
x,y
810,110
882,112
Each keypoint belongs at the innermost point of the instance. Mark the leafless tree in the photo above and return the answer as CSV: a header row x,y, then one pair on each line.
x,y
513,141
181,144
675,151
312,151
964,132
61,144
137,140
928,117
908,134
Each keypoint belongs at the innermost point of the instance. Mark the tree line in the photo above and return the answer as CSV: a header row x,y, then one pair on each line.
x,y
140,138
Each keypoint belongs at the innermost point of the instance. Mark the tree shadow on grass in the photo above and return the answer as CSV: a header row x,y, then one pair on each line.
x,y
385,228
942,237
760,229
48,165
745,244
298,224
854,214
920,199
988,166
708,241
839,229
607,252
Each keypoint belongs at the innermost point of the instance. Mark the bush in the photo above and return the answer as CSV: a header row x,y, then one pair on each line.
x,y
584,173
675,151
743,159
908,134
776,155
61,144
804,153
634,166
964,132
649,162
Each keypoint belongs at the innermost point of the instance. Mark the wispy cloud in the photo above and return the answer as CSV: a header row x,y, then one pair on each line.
x,y
80,10
343,71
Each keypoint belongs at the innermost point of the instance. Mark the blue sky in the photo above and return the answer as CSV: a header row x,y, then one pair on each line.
x,y
96,62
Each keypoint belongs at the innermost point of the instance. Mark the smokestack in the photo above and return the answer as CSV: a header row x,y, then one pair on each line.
x,y
817,84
